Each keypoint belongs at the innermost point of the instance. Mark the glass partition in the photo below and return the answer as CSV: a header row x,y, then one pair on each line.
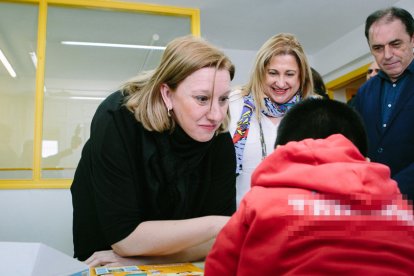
x,y
18,32
61,59
89,54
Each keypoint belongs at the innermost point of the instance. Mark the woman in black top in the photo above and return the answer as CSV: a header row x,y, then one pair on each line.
x,y
156,180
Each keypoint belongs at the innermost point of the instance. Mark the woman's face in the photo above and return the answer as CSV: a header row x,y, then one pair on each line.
x,y
282,78
195,107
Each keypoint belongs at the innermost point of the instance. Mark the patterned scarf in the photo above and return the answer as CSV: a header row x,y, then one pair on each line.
x,y
272,109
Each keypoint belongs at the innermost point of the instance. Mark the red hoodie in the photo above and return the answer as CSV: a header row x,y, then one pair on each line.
x,y
317,207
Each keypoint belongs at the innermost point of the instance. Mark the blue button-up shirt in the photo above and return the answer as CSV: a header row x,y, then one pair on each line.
x,y
391,92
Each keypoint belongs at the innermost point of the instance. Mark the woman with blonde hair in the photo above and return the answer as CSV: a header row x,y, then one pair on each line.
x,y
156,180
281,78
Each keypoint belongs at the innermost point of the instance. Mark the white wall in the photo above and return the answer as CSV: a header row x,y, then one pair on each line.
x,y
243,61
46,215
37,216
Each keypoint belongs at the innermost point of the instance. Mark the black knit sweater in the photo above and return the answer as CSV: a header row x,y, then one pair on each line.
x,y
128,175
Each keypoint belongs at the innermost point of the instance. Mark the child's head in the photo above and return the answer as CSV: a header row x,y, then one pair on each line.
x,y
319,118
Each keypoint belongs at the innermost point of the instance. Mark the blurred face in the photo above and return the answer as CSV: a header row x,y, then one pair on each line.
x,y
372,70
195,107
391,46
282,78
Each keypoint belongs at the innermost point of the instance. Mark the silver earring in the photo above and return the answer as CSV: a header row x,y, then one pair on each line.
x,y
168,112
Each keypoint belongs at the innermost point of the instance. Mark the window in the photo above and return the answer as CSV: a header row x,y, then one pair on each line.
x,y
68,57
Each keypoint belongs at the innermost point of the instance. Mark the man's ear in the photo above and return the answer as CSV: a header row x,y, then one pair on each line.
x,y
412,40
166,96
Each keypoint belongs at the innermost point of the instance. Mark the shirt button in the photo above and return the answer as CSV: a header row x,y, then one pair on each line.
x,y
384,125
380,150
394,85
389,105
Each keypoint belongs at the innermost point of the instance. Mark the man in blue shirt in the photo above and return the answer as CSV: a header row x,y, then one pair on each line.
x,y
386,101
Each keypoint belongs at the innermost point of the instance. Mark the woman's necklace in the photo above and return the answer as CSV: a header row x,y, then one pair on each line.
x,y
262,141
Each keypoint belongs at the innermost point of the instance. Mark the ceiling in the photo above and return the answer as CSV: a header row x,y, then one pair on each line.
x,y
229,24
247,24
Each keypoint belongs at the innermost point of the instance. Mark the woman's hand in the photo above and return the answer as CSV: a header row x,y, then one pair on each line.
x,y
110,258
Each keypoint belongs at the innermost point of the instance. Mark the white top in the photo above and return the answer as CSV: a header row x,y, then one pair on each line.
x,y
252,154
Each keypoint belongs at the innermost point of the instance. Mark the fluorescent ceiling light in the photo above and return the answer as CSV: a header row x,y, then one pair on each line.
x,y
7,64
114,45
87,98
34,58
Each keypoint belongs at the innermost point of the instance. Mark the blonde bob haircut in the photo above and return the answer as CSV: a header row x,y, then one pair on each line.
x,y
182,57
280,44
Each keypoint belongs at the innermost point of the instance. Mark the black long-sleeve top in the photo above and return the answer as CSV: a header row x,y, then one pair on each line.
x,y
128,175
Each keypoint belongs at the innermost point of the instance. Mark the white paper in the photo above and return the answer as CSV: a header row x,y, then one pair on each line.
x,y
36,259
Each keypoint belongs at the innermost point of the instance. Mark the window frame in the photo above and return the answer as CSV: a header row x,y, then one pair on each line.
x,y
37,182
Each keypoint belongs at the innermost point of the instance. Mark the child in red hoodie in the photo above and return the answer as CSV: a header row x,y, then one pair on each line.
x,y
317,206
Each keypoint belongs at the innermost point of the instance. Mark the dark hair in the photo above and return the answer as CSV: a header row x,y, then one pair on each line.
x,y
318,84
319,118
390,14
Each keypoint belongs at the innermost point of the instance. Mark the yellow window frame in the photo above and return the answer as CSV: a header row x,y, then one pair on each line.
x,y
37,182
346,79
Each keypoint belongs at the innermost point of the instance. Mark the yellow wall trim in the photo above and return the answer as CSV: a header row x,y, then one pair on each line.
x,y
36,184
127,6
347,78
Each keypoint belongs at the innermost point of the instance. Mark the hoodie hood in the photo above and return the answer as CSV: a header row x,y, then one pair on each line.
x,y
329,166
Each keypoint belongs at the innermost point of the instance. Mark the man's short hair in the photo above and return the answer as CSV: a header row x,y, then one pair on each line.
x,y
390,14
319,118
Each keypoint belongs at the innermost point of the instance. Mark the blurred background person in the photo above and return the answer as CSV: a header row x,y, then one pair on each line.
x,y
318,84
372,70
8,156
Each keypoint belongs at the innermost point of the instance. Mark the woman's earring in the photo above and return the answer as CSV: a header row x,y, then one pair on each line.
x,y
168,112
